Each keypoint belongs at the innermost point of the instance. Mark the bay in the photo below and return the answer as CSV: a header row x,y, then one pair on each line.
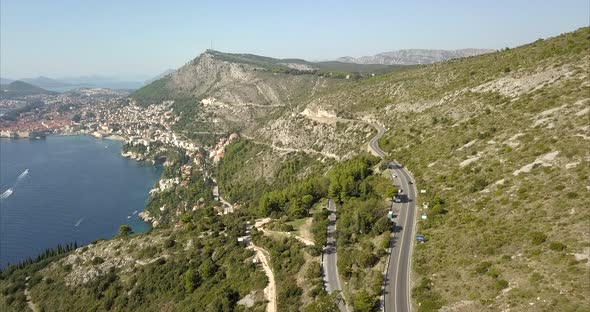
x,y
65,189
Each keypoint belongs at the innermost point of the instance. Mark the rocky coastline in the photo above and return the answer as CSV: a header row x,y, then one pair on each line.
x,y
22,134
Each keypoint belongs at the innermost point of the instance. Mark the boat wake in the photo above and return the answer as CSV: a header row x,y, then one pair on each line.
x,y
22,175
6,193
9,191
79,221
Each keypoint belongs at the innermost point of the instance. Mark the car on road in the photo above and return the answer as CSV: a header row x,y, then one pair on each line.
x,y
397,199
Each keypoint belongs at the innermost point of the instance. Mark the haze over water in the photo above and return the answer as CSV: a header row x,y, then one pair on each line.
x,y
76,189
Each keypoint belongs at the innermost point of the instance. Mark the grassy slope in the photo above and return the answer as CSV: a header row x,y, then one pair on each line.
x,y
495,245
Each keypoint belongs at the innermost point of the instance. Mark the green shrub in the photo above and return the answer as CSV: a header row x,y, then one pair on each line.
x,y
483,267
557,246
428,299
571,195
537,238
364,302
191,280
535,278
169,243
501,284
313,271
125,230
479,184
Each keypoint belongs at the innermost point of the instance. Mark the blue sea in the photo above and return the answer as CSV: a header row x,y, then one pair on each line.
x,y
65,189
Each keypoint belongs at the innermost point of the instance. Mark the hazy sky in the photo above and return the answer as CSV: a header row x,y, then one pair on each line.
x,y
137,39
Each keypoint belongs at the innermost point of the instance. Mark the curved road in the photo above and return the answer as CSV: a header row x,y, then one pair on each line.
x,y
396,291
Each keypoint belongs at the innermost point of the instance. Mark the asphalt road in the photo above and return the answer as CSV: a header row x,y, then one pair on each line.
x,y
329,258
396,292
374,143
397,279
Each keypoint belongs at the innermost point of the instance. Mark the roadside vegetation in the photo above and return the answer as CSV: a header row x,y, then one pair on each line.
x,y
499,144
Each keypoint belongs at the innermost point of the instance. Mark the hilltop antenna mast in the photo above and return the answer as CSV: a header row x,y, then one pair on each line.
x,y
211,44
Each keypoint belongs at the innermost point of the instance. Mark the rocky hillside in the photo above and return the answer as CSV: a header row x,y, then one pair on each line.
x,y
413,56
264,98
499,144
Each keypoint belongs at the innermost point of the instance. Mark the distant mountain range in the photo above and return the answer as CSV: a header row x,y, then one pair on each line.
x,y
45,82
5,81
413,56
70,83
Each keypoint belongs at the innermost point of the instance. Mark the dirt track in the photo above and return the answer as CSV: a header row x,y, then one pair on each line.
x,y
270,291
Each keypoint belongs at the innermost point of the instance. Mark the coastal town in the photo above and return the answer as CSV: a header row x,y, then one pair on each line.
x,y
146,132
60,113
102,113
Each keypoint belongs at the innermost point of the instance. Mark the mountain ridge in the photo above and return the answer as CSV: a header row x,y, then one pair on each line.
x,y
414,56
46,82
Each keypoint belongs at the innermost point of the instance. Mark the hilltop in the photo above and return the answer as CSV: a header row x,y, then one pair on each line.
x,y
253,94
20,89
177,84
